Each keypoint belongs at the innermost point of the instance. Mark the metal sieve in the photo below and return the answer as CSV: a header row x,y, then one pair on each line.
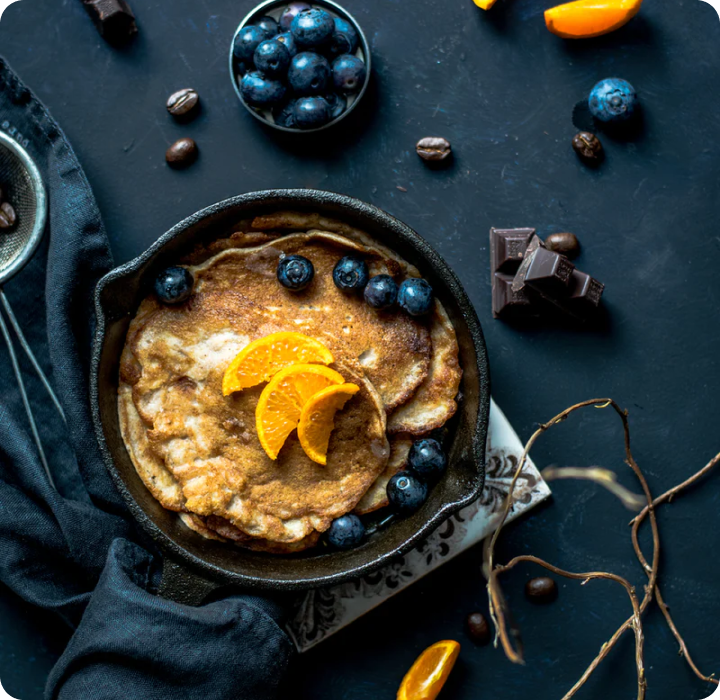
x,y
22,184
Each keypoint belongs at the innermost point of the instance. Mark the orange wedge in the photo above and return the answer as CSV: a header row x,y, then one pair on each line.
x,y
282,401
587,18
317,419
484,4
428,674
259,361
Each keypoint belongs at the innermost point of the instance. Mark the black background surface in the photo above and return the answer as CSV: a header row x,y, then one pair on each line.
x,y
502,90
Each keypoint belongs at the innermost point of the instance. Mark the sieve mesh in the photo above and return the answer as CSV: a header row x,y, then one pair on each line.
x,y
19,190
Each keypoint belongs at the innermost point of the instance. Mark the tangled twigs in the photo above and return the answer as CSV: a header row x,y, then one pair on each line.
x,y
498,610
636,523
603,477
509,635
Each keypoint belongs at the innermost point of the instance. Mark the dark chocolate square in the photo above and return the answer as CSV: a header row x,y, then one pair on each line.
x,y
507,248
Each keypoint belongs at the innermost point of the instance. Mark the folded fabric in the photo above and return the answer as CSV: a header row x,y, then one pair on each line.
x,y
76,550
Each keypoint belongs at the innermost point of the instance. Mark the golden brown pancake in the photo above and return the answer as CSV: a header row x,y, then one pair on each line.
x,y
434,402
198,452
393,348
376,496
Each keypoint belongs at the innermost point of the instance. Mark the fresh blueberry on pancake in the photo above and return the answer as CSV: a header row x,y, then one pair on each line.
x,y
295,272
381,292
174,285
416,296
346,532
406,493
351,274
427,459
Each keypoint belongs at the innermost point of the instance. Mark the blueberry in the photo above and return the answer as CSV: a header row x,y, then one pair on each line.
x,y
381,292
351,274
427,459
346,532
344,40
416,296
174,285
338,104
313,28
309,74
272,58
295,272
290,13
289,41
268,24
285,115
246,41
406,493
613,100
311,112
259,91
349,74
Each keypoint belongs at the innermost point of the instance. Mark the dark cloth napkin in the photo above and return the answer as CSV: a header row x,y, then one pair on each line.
x,y
76,550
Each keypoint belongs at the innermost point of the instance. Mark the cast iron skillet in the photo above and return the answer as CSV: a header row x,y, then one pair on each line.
x,y
193,562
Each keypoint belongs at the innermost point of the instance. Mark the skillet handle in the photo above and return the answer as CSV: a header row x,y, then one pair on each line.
x,y
181,585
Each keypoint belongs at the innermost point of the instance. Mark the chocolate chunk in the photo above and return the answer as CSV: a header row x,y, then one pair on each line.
x,y
544,270
113,18
507,248
585,291
507,302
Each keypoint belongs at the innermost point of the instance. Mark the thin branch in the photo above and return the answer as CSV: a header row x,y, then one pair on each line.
x,y
605,650
603,477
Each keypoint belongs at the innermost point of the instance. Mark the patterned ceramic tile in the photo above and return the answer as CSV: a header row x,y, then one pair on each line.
x,y
322,612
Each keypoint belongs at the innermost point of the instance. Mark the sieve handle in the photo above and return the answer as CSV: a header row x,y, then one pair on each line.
x,y
23,394
28,351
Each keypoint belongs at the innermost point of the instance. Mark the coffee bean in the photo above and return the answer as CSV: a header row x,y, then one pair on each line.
x,y
588,147
541,590
7,216
433,148
478,628
182,102
182,153
564,243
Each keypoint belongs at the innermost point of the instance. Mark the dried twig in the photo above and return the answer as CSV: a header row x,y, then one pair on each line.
x,y
512,648
509,635
603,477
667,497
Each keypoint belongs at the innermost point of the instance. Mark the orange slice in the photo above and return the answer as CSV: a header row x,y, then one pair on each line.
x,y
282,401
317,419
259,361
428,674
587,18
485,4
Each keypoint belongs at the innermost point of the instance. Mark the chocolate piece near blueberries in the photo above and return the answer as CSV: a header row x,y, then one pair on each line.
x,y
182,153
113,18
564,243
555,279
8,217
506,301
545,271
507,248
588,148
478,628
183,102
542,589
433,149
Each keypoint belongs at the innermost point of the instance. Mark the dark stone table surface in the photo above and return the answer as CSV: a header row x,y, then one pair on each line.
x,y
501,88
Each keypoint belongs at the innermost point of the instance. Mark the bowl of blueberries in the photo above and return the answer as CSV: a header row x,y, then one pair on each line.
x,y
299,67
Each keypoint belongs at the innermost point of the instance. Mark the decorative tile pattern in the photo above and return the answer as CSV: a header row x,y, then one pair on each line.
x,y
324,611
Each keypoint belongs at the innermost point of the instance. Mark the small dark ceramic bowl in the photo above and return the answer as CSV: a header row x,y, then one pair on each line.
x,y
117,298
273,8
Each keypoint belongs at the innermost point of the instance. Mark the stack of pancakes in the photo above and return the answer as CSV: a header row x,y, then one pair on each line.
x,y
197,451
